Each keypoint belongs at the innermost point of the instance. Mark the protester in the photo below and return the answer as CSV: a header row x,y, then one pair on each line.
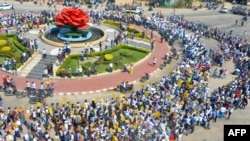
x,y
162,110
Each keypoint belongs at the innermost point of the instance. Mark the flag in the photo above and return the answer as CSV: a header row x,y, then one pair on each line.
x,y
39,104
62,102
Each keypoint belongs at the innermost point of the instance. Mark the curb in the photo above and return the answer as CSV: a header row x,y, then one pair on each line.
x,y
98,91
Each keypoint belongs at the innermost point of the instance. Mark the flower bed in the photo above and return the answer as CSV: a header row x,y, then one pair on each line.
x,y
104,58
11,48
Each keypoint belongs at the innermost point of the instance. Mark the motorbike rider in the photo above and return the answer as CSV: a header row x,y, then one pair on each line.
x,y
42,86
27,86
124,85
33,85
12,84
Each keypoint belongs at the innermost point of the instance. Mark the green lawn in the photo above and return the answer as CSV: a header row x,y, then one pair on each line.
x,y
119,60
73,34
72,64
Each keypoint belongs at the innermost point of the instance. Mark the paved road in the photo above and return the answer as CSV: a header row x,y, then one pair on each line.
x,y
212,18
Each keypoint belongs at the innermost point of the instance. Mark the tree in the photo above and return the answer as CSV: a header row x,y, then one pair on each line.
x,y
188,2
180,3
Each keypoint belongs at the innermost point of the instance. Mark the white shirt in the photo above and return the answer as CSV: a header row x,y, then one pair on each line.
x,y
42,86
45,71
33,85
43,51
28,84
111,65
80,69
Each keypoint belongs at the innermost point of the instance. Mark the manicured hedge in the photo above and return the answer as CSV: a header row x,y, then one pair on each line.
x,y
131,29
3,42
20,46
10,53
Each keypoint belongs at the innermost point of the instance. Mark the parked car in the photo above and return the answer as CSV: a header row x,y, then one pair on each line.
x,y
6,6
224,10
135,10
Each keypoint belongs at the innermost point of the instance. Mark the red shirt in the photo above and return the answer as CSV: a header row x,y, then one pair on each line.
x,y
171,137
4,79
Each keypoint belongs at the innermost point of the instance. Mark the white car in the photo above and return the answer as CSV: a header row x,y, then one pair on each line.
x,y
224,10
6,6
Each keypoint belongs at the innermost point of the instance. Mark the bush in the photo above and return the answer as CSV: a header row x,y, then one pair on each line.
x,y
108,57
19,45
3,37
6,49
126,54
19,64
5,55
201,5
112,23
3,42
131,28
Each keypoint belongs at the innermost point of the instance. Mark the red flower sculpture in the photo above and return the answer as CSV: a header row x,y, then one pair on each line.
x,y
73,17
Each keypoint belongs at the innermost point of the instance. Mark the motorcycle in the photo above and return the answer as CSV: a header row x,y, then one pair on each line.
x,y
124,87
144,78
1,88
21,94
8,92
36,96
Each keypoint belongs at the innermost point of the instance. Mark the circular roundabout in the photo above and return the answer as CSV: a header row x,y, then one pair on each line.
x,y
72,26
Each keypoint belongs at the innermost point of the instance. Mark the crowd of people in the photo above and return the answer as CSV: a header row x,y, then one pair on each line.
x,y
165,110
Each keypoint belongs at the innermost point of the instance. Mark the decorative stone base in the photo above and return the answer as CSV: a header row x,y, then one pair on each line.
x,y
74,45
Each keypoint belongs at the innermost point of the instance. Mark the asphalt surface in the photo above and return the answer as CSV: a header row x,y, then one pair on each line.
x,y
210,17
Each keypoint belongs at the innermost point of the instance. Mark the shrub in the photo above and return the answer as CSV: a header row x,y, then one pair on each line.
x,y
19,45
3,42
108,57
3,37
6,49
5,55
18,64
112,23
126,54
131,28
136,48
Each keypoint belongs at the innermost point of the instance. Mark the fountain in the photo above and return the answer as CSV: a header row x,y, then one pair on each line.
x,y
72,26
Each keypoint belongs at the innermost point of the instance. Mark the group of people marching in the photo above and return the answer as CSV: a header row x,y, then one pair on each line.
x,y
164,110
